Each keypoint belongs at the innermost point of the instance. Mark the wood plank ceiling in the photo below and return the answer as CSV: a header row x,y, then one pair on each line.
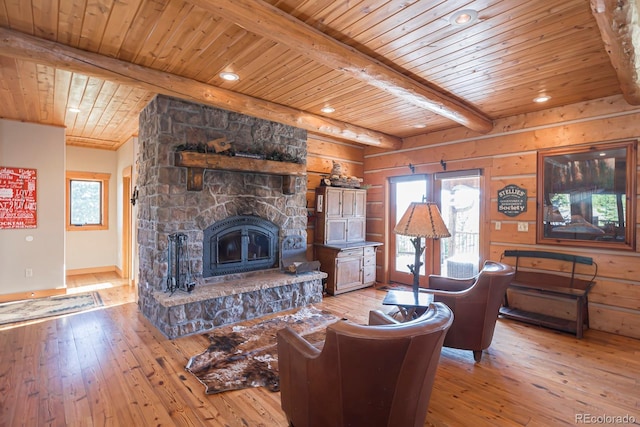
x,y
391,69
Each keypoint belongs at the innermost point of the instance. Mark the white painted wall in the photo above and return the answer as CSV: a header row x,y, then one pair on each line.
x,y
94,249
42,148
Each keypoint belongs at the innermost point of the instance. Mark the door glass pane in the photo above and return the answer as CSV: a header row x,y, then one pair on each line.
x,y
460,254
230,247
258,248
407,192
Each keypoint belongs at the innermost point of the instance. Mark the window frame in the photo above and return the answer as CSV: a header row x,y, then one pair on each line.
x,y
103,178
584,154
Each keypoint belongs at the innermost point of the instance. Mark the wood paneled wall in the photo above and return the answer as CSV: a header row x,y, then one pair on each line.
x,y
508,156
321,153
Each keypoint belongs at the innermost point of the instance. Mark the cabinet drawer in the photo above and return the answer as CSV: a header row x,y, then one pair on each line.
x,y
369,274
369,260
370,250
350,253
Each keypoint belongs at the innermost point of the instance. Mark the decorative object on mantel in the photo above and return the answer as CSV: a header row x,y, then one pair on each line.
x,y
178,265
338,178
241,356
197,160
222,147
220,144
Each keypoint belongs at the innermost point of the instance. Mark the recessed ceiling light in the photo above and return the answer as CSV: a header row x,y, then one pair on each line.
x,y
74,110
464,17
420,126
328,110
541,98
230,77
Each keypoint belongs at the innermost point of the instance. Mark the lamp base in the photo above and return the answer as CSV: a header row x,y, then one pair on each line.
x,y
415,268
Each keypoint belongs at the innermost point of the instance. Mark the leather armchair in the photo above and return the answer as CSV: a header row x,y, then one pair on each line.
x,y
475,303
380,375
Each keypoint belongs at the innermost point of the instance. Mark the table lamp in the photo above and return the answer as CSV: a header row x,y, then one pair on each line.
x,y
421,220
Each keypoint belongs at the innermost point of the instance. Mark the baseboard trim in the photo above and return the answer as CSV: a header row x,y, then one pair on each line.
x,y
32,294
93,270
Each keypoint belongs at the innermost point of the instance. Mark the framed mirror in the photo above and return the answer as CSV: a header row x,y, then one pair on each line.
x,y
587,196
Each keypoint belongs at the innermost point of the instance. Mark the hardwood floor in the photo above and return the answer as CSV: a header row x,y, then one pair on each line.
x,y
111,367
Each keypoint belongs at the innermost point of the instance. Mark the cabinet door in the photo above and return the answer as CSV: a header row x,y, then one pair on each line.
x,y
348,272
335,231
360,203
356,229
348,203
333,202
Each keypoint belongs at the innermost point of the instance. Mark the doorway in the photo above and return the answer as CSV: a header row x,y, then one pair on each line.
x,y
127,229
403,191
461,209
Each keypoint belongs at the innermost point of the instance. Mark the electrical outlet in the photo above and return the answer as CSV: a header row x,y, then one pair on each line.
x,y
28,272
523,226
498,225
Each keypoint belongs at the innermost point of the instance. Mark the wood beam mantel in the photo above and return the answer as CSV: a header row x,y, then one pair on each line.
x,y
268,21
619,23
21,46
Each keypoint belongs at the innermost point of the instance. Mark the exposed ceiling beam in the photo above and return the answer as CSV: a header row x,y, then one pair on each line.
x,y
270,22
619,23
21,46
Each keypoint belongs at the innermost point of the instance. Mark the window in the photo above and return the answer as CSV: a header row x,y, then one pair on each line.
x,y
586,196
87,201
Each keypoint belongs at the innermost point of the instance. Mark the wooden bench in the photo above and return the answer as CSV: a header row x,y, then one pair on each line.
x,y
557,279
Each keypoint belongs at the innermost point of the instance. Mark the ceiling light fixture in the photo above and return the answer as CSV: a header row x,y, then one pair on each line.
x,y
74,110
420,126
230,77
328,110
541,98
464,17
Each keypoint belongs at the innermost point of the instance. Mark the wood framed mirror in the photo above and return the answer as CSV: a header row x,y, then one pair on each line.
x,y
587,196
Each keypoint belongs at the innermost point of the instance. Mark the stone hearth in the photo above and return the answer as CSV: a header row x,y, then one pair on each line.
x,y
232,301
166,206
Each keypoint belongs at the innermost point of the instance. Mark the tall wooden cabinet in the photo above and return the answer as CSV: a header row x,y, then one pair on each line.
x,y
340,245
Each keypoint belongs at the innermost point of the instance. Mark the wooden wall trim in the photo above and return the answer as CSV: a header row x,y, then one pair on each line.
x,y
42,293
93,270
410,144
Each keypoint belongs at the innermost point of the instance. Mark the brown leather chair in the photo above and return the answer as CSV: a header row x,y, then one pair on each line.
x,y
379,375
475,303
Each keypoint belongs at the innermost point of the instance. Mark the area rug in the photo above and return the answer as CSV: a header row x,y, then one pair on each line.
x,y
37,308
246,356
396,286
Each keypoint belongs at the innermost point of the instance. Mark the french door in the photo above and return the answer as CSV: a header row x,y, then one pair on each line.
x,y
403,191
461,209
458,196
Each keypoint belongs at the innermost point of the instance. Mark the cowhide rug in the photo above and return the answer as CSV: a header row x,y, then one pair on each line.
x,y
246,356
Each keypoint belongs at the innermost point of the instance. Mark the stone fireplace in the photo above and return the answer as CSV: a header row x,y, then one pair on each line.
x,y
234,224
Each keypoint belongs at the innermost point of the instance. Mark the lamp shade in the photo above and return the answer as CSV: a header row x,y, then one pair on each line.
x,y
422,220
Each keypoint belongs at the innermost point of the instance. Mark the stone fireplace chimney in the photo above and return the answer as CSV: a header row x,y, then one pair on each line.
x,y
166,205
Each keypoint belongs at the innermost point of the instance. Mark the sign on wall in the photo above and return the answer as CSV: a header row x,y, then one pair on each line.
x,y
512,200
18,198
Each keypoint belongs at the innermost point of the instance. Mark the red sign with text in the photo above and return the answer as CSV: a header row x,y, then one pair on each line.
x,y
18,198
